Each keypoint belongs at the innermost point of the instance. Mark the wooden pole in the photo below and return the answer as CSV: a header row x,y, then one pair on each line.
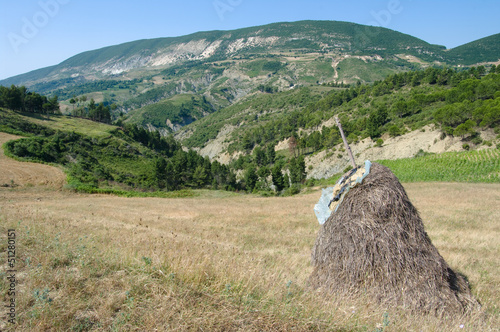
x,y
353,163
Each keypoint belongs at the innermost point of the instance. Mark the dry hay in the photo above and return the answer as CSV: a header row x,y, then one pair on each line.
x,y
375,245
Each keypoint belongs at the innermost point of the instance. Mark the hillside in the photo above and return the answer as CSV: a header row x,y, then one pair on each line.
x,y
171,113
20,174
102,158
272,141
480,51
225,67
461,108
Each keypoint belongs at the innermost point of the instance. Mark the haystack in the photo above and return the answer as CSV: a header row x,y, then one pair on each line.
x,y
375,245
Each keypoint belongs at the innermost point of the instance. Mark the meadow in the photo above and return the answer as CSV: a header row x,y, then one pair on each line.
x,y
220,261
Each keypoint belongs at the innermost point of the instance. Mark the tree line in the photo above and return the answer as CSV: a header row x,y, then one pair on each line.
x,y
265,172
95,112
174,168
23,100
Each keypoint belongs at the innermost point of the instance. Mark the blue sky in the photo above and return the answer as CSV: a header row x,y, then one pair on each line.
x,y
40,33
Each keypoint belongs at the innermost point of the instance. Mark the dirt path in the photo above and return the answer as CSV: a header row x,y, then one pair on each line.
x,y
14,173
335,63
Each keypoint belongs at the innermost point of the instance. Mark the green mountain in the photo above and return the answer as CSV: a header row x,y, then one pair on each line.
x,y
173,112
482,50
303,36
167,83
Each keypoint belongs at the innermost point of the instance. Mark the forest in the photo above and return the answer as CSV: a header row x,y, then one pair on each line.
x,y
20,99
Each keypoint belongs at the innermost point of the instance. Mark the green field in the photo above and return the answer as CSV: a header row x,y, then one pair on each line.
x,y
471,166
71,124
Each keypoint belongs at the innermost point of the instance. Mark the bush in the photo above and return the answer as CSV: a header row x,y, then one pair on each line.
x,y
312,182
394,131
379,142
477,140
293,190
466,147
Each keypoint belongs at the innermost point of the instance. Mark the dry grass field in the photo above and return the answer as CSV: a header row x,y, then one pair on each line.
x,y
219,261
14,173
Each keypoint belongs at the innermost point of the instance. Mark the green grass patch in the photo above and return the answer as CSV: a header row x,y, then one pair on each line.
x,y
71,124
262,67
472,166
368,72
184,193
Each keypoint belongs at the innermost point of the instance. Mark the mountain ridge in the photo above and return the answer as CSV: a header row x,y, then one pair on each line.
x,y
363,36
222,67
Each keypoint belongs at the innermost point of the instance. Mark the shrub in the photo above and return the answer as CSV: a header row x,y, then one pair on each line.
x,y
312,182
293,190
477,140
394,131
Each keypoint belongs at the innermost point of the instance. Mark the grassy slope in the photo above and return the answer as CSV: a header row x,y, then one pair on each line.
x,y
170,109
277,108
67,123
220,263
262,105
352,70
15,173
103,146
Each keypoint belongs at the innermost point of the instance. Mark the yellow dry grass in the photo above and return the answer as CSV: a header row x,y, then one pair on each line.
x,y
15,173
219,262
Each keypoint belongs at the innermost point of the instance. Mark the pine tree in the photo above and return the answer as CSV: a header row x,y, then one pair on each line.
x,y
271,154
277,176
251,177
